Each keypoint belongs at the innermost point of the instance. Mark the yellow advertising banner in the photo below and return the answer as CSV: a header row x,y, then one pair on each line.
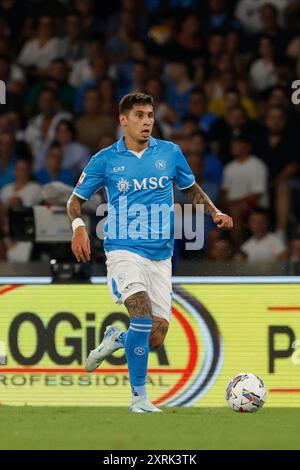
x,y
216,331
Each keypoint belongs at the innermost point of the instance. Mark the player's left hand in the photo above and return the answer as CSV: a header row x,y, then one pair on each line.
x,y
223,221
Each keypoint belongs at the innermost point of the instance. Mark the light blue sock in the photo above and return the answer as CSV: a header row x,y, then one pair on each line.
x,y
137,352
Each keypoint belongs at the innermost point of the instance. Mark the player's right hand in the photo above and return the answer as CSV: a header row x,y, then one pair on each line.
x,y
81,246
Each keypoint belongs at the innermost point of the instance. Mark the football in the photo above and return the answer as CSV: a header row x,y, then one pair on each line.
x,y
245,393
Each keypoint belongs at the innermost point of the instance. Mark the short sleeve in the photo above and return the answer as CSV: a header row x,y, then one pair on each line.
x,y
183,177
259,178
226,179
278,246
92,178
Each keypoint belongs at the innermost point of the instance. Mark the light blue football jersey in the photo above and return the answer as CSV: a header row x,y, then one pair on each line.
x,y
139,194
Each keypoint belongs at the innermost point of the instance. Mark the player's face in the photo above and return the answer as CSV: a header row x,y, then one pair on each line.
x,y
138,123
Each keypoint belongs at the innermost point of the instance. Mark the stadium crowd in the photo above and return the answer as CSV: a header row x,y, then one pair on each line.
x,y
220,72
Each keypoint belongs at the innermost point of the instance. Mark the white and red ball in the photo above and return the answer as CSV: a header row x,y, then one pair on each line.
x,y
245,393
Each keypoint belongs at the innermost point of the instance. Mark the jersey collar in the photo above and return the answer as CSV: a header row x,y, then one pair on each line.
x,y
121,147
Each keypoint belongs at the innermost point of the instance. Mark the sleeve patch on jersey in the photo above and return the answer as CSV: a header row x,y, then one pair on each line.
x,y
81,179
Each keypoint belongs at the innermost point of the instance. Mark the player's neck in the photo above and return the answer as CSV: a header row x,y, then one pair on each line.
x,y
135,146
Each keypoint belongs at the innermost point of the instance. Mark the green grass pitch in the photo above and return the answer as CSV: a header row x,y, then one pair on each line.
x,y
177,428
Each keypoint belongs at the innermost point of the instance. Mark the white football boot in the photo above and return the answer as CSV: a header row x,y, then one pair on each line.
x,y
143,405
107,347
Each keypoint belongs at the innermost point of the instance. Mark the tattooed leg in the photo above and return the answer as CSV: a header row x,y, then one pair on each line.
x,y
158,333
137,342
139,305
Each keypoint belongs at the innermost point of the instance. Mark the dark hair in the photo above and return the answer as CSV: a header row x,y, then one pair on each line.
x,y
279,108
232,90
197,91
58,60
273,8
48,90
261,211
199,133
243,137
5,59
294,237
189,118
135,97
69,125
54,145
271,90
73,13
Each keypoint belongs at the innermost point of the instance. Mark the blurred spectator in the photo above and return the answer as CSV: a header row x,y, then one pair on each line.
x,y
118,45
197,107
244,184
187,41
220,250
108,100
197,165
72,45
137,81
231,99
23,191
92,125
270,27
75,155
40,130
8,158
12,13
263,246
212,189
91,23
165,115
294,253
234,123
212,171
43,49
53,170
106,141
263,70
99,68
248,12
56,79
11,74
82,69
280,154
14,80
180,88
219,17
189,125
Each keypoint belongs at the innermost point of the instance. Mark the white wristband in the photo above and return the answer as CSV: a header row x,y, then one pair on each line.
x,y
77,223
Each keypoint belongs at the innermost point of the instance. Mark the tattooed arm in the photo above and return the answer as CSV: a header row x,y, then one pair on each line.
x,y
196,195
81,247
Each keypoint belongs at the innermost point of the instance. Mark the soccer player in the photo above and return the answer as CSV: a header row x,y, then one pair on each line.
x,y
136,170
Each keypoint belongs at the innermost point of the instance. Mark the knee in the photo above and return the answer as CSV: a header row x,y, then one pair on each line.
x,y
158,333
156,342
139,305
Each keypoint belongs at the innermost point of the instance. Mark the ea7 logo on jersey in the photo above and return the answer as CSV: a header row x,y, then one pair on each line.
x,y
81,179
151,183
118,169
